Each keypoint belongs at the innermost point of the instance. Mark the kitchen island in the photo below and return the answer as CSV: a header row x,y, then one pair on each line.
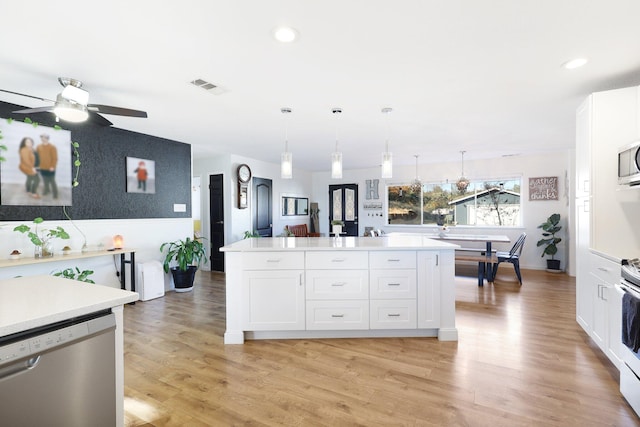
x,y
33,305
345,287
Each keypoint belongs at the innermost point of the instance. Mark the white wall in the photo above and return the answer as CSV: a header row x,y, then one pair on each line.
x,y
237,221
533,212
143,235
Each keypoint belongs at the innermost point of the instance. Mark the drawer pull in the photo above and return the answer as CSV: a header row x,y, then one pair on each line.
x,y
339,284
337,315
274,260
393,284
604,269
393,315
338,260
393,260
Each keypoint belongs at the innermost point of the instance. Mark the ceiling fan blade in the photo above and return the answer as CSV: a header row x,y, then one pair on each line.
x,y
28,96
35,110
118,111
98,119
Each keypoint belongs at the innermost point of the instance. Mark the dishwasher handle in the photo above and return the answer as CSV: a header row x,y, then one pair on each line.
x,y
19,368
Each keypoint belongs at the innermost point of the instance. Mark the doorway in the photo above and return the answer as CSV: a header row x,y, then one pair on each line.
x,y
261,206
343,205
216,219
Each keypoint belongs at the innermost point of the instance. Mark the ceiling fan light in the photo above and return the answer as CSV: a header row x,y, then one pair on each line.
x,y
70,111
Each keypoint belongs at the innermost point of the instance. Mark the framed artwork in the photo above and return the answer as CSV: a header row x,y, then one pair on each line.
x,y
38,166
141,175
543,188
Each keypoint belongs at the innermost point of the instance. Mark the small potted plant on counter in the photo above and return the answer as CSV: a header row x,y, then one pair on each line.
x,y
549,241
188,254
336,226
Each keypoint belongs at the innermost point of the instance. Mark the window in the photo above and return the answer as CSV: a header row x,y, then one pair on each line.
x,y
484,202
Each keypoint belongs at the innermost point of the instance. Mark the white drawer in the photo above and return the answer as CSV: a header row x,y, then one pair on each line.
x,y
337,315
392,259
394,314
337,284
605,269
337,260
392,284
273,260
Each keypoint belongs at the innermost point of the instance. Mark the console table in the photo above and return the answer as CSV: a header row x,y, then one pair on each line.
x,y
79,255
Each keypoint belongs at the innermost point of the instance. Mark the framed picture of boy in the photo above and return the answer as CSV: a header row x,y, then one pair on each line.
x,y
141,175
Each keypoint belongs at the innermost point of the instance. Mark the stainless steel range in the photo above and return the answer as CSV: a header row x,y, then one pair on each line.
x,y
630,334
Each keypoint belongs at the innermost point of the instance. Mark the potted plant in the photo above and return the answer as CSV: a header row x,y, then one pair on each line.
x,y
70,273
336,226
188,253
549,241
42,239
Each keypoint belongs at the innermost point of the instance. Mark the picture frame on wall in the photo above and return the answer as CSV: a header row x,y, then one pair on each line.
x,y
38,166
141,175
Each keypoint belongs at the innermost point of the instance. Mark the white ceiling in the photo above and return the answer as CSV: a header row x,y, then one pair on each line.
x,y
481,76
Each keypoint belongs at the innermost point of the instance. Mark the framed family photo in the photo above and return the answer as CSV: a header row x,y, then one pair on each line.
x,y
38,166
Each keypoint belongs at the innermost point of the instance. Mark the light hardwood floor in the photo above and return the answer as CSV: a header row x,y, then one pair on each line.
x,y
521,360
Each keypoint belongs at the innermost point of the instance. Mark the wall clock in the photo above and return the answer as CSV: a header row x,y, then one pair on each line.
x,y
244,173
244,176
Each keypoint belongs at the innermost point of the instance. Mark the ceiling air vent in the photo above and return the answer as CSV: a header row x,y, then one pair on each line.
x,y
209,87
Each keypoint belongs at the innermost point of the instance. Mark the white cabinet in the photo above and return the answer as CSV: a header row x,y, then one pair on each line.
x,y
318,290
273,291
337,290
428,266
605,227
393,290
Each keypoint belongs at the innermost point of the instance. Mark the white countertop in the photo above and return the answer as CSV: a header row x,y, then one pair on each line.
x,y
33,301
382,243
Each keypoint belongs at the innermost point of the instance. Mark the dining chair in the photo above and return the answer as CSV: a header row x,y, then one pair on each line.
x,y
513,256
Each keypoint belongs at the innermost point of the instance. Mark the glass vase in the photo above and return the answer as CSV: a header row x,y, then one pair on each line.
x,y
43,251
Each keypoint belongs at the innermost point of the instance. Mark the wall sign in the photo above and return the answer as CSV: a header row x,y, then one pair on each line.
x,y
543,188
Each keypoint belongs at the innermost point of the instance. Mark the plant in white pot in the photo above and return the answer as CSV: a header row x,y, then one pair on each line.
x,y
336,227
549,240
188,254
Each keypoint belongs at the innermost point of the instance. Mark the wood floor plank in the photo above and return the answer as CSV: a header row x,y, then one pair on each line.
x,y
521,360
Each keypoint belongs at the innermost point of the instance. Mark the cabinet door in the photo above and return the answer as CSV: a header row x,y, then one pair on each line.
x,y
614,309
584,287
273,300
599,328
583,148
428,290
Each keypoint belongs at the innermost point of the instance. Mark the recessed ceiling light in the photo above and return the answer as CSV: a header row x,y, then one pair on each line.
x,y
575,63
285,34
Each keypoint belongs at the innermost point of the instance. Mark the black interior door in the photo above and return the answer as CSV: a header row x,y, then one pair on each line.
x,y
261,207
343,205
216,219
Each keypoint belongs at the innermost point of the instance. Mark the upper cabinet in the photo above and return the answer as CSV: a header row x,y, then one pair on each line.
x,y
583,148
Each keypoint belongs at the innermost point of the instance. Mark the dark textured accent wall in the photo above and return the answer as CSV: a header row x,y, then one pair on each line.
x,y
102,190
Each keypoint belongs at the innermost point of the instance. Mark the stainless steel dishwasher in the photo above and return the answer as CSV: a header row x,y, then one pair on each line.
x,y
62,374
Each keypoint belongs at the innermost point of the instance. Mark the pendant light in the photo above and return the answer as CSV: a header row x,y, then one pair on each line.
x,y
286,159
462,182
416,185
387,158
336,156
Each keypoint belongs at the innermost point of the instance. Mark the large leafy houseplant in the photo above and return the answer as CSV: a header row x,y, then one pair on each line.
x,y
188,254
549,240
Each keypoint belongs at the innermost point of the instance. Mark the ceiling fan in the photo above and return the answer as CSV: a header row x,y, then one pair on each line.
x,y
72,105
